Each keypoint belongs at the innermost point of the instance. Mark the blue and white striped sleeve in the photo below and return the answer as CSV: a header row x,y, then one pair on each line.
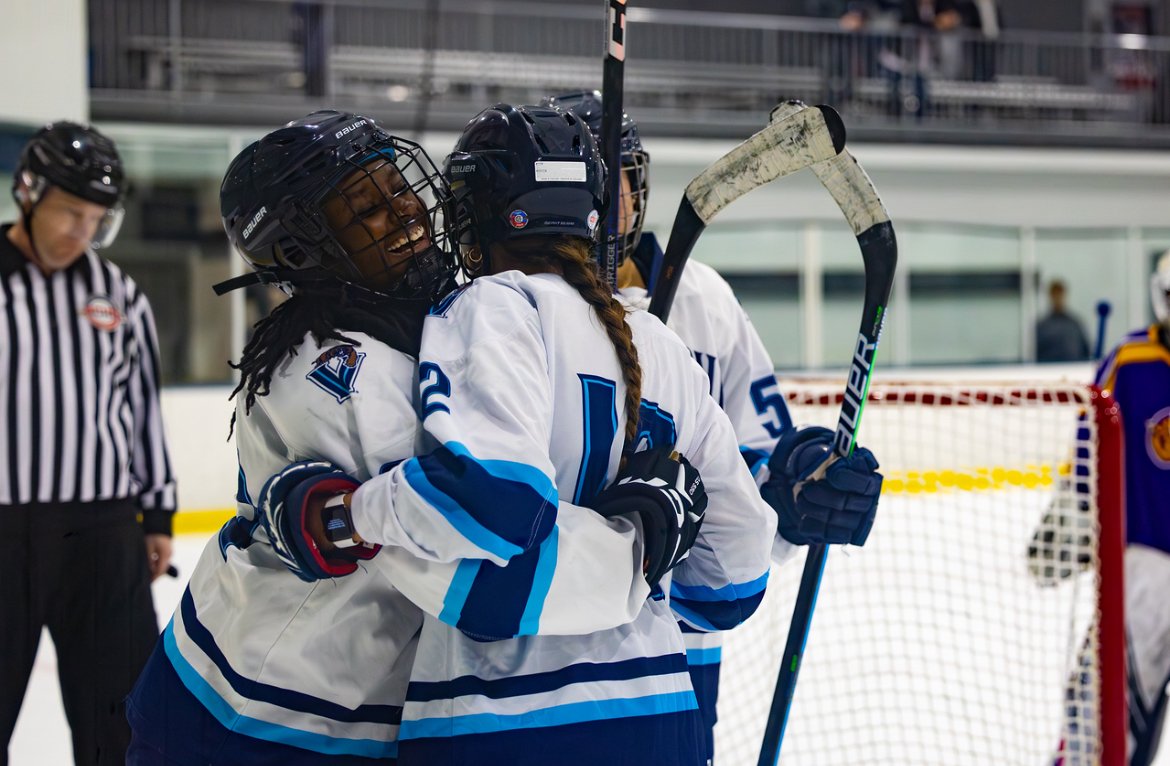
x,y
723,580
495,551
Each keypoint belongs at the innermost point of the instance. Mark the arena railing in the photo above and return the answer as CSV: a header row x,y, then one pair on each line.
x,y
689,73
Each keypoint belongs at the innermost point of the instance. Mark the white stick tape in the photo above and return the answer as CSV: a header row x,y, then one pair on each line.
x,y
784,147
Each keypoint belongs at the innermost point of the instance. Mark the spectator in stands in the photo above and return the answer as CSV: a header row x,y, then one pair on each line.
x,y
1060,337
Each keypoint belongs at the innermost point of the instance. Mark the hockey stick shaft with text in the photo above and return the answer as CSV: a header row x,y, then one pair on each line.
x,y
808,136
855,194
612,94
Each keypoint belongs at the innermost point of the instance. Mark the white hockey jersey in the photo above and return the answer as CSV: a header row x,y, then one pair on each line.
x,y
324,666
714,326
521,388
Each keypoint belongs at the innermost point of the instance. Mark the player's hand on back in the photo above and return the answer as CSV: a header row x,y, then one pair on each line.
x,y
836,508
666,493
305,533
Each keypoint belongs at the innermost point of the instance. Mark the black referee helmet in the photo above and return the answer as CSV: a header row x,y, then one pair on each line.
x,y
76,159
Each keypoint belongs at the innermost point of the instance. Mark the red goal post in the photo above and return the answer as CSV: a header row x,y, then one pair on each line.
x,y
983,621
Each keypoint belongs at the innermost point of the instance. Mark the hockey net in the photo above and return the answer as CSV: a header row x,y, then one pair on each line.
x,y
981,623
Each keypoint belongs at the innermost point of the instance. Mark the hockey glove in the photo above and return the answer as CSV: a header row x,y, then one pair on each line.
x,y
838,508
668,496
284,508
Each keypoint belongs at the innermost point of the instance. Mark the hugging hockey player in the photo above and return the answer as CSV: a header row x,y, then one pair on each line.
x,y
287,648
711,322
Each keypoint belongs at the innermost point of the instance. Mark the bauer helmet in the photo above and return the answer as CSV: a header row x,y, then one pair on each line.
x,y
523,170
78,160
334,197
1160,289
586,104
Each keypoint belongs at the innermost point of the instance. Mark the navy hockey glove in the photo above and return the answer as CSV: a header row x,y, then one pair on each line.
x,y
668,496
838,508
284,511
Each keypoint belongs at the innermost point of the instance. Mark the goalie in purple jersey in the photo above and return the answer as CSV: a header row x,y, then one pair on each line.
x,y
1137,372
714,326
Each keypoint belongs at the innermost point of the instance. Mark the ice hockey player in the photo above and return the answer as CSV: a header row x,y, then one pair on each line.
x,y
1137,372
537,385
282,651
711,322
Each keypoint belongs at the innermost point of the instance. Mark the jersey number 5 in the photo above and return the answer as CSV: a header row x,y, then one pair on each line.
x,y
764,401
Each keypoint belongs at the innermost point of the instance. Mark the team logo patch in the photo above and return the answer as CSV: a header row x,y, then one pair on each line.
x,y
1158,438
335,371
592,220
518,219
102,313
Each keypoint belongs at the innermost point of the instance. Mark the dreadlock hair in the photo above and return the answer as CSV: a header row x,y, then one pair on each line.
x,y
326,313
573,256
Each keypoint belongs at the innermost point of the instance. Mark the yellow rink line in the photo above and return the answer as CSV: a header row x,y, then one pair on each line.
x,y
201,522
974,479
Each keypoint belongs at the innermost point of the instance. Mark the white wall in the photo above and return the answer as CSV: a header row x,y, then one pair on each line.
x,y
43,57
203,460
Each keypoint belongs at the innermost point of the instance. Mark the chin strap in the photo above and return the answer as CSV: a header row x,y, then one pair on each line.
x,y
274,277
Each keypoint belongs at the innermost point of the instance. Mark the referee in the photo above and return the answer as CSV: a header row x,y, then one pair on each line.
x,y
86,494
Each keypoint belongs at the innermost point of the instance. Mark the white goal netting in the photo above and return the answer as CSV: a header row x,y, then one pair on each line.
x,y
961,632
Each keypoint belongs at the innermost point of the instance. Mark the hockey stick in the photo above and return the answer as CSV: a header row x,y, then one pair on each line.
x,y
855,194
1103,309
805,137
612,91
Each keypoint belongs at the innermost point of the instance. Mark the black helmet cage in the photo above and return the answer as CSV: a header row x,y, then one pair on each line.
x,y
586,104
291,233
523,170
76,159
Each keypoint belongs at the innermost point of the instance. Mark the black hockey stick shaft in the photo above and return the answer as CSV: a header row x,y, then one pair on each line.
x,y
612,93
879,250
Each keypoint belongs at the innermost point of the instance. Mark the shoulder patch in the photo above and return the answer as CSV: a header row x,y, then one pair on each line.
x,y
335,371
1158,438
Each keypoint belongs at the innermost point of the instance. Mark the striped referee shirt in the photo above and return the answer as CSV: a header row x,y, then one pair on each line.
x,y
79,388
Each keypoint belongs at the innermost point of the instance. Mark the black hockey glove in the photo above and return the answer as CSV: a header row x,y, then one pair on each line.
x,y
838,508
283,509
668,496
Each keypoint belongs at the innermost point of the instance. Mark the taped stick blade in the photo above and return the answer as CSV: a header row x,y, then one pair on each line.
x,y
783,147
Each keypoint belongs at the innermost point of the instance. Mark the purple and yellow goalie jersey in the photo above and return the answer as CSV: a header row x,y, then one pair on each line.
x,y
1138,375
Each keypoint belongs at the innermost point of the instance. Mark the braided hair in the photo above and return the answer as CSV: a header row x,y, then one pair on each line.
x,y
573,257
326,312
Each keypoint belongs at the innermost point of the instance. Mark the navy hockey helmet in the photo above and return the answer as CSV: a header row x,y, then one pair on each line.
x,y
523,170
332,196
586,104
76,159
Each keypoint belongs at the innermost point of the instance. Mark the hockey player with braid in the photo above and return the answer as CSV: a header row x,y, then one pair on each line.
x,y
711,322
538,388
283,651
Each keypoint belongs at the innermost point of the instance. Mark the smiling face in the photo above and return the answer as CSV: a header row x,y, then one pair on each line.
x,y
379,221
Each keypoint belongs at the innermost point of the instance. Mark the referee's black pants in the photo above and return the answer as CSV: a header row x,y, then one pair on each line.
x,y
81,570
